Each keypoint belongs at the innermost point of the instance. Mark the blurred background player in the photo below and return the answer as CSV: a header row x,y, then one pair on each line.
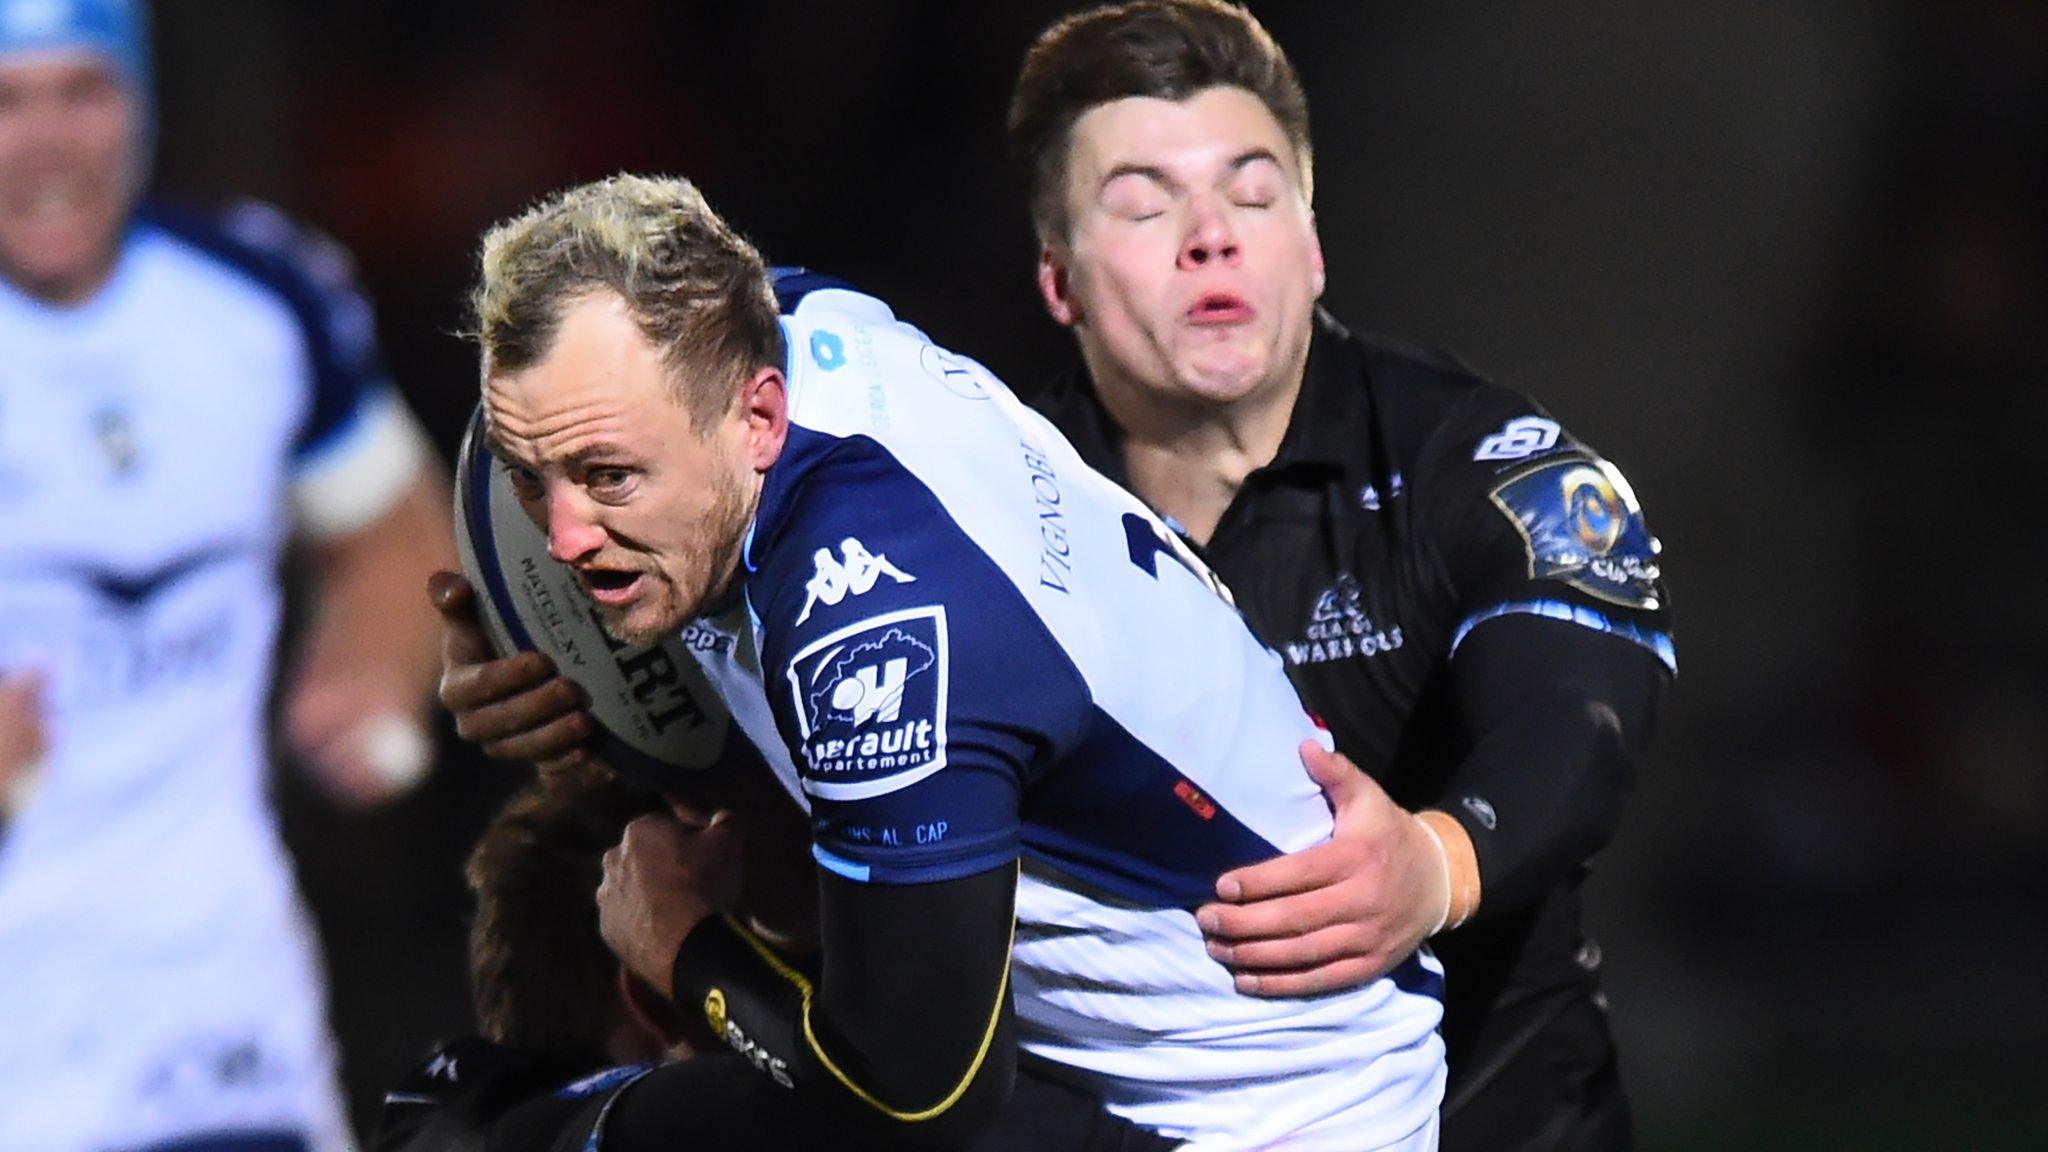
x,y
1464,592
178,393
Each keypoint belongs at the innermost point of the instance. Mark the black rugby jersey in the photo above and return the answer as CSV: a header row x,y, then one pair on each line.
x,y
1470,598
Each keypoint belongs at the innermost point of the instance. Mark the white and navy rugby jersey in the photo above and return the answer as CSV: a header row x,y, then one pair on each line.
x,y
156,973
964,647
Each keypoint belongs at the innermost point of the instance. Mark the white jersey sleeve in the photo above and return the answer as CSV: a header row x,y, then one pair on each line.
x,y
357,447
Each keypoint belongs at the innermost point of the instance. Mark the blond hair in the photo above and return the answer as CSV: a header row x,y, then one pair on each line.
x,y
698,291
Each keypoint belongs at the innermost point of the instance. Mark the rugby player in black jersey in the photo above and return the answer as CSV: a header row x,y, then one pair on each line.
x,y
1463,591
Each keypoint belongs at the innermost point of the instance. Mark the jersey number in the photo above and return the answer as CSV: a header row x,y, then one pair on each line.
x,y
1149,539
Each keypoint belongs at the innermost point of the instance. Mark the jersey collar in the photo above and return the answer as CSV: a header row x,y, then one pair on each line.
x,y
1329,420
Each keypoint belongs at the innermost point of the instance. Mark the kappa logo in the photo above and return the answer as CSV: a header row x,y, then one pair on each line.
x,y
870,701
855,575
1518,438
1338,628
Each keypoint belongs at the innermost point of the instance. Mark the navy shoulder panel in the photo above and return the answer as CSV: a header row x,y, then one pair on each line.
x,y
314,278
792,284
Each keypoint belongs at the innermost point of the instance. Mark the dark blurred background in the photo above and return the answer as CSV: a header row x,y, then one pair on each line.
x,y
1784,262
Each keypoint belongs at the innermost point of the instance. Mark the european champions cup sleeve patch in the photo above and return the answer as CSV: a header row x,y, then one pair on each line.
x,y
1582,526
870,704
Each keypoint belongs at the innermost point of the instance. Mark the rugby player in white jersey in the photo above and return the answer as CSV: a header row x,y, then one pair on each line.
x,y
1029,731
178,394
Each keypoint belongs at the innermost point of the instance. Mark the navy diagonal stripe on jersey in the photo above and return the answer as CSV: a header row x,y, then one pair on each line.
x,y
1032,762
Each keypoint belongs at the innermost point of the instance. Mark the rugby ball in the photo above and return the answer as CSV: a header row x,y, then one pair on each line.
x,y
657,713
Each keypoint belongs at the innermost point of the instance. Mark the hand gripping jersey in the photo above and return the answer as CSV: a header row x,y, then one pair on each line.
x,y
961,647
157,976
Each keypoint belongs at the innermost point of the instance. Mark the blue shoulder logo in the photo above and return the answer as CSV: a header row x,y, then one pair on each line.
x,y
828,350
870,702
1582,525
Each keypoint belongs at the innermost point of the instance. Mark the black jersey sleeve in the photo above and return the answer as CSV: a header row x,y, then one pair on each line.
x,y
902,1039
1560,718
1563,642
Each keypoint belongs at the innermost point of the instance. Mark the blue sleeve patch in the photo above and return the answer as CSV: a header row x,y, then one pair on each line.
x,y
602,1081
1657,642
870,704
1582,526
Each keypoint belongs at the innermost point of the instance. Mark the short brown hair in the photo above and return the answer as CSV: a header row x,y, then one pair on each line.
x,y
1170,49
542,976
697,289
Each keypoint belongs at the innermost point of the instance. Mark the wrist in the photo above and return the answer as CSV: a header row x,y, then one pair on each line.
x,y
1461,866
661,967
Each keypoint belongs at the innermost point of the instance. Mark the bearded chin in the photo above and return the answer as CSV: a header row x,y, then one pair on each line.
x,y
640,626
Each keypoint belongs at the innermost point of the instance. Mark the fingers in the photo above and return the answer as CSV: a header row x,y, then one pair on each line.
x,y
1296,872
513,707
451,595
1298,953
1340,779
1287,916
463,641
554,745
576,759
1316,981
468,681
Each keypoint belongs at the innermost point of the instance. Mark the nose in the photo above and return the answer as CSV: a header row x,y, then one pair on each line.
x,y
1209,237
573,532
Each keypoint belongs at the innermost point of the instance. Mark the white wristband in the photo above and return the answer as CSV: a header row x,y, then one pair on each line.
x,y
1443,859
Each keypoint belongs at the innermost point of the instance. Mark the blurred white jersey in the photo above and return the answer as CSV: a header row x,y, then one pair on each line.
x,y
158,978
976,650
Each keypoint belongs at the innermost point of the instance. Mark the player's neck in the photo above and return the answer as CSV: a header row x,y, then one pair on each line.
x,y
1187,460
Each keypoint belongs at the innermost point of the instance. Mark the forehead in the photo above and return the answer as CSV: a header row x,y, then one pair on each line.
x,y
601,378
41,67
1213,127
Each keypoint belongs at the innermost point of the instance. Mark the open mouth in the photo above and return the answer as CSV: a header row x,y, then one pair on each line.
x,y
1220,308
609,585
